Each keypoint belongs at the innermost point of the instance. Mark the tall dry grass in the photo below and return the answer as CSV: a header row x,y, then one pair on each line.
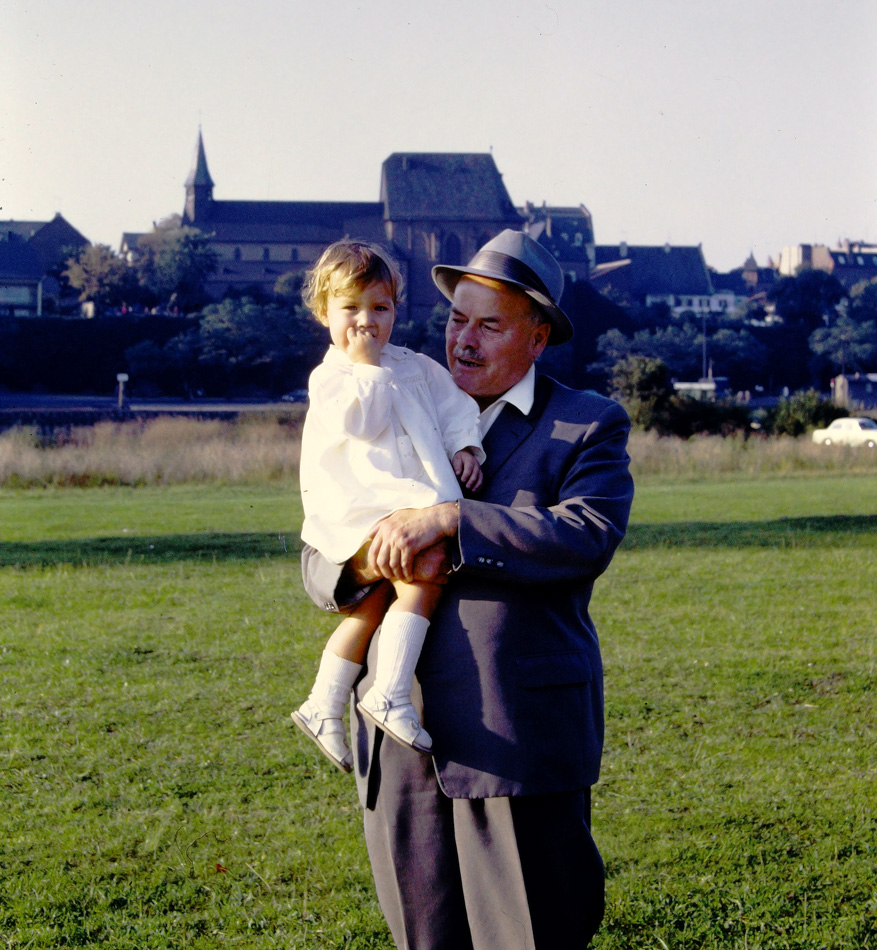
x,y
171,450
163,451
712,456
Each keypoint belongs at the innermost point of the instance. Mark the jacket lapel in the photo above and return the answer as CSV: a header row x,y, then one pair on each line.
x,y
511,428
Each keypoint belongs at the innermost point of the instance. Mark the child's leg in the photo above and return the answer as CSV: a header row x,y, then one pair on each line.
x,y
321,714
388,702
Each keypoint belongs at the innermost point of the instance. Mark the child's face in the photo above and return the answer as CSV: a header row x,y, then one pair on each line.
x,y
367,309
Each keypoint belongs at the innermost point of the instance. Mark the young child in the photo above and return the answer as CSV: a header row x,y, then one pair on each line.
x,y
386,429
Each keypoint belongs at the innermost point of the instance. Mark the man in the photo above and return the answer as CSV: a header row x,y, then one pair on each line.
x,y
486,845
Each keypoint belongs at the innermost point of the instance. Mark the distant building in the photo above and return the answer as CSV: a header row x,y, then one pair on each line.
x,y
851,262
855,391
646,275
21,279
434,207
708,389
439,208
567,232
749,284
29,252
854,262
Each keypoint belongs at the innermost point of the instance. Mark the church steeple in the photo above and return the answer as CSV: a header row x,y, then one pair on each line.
x,y
199,187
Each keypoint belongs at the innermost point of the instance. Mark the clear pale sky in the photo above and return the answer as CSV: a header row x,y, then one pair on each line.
x,y
742,125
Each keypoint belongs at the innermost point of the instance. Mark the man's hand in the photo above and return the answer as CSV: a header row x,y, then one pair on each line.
x,y
467,469
432,566
401,536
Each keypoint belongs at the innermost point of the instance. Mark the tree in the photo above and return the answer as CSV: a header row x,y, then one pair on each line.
x,y
809,300
100,276
175,264
287,288
642,386
847,344
282,345
863,301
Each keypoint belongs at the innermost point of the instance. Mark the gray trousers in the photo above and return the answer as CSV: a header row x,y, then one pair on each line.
x,y
479,874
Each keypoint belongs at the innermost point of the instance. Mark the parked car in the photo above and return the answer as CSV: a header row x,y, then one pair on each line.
x,y
853,431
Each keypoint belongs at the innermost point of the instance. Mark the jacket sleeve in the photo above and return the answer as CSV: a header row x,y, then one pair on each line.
x,y
560,531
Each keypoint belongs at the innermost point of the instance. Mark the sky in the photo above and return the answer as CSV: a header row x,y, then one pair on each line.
x,y
743,126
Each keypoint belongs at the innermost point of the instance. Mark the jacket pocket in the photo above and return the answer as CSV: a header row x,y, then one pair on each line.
x,y
553,669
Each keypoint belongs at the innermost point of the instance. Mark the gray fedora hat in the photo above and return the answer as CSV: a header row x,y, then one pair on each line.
x,y
515,258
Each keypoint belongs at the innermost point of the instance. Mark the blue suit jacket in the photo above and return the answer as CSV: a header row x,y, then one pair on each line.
x,y
510,673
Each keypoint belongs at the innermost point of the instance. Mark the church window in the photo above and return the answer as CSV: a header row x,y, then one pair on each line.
x,y
266,253
452,252
293,256
237,253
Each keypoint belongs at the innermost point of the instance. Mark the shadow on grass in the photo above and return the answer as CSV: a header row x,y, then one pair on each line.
x,y
160,549
813,532
830,531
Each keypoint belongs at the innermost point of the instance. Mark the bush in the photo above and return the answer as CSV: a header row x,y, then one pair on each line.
x,y
802,411
685,416
643,387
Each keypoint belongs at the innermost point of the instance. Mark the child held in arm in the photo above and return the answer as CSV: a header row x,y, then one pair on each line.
x,y
386,429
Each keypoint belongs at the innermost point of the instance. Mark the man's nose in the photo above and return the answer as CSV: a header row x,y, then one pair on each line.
x,y
363,318
463,337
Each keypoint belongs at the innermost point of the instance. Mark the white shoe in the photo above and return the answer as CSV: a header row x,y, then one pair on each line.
x,y
329,734
399,721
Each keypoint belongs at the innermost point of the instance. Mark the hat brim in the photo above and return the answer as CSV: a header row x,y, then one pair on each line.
x,y
446,277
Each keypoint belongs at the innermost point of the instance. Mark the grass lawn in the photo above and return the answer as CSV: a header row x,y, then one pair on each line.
x,y
154,795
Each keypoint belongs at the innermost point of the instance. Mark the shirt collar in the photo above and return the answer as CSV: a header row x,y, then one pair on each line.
x,y
521,396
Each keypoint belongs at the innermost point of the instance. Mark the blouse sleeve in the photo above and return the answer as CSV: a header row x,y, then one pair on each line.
x,y
355,400
457,412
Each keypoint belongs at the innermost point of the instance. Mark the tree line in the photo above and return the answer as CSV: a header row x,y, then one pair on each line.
x,y
808,328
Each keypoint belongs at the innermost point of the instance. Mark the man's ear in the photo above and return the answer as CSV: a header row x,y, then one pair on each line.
x,y
540,339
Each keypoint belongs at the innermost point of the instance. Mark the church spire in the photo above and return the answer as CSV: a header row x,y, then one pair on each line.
x,y
199,186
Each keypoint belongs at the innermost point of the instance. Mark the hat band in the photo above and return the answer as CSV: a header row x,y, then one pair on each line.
x,y
506,267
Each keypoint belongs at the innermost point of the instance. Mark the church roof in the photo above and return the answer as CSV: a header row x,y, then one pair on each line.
x,y
445,186
282,221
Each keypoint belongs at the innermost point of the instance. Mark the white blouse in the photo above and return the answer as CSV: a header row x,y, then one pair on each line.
x,y
377,439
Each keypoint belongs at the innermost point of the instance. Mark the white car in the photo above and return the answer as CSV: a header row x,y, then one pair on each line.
x,y
855,431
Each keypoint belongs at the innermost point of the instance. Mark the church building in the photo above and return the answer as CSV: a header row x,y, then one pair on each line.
x,y
434,208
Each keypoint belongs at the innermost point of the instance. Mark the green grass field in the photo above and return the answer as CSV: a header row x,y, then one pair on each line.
x,y
154,795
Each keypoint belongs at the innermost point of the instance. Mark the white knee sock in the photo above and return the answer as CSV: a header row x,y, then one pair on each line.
x,y
402,636
335,679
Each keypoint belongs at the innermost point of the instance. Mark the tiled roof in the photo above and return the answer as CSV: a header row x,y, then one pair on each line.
x,y
445,186
19,261
23,229
733,281
565,232
659,270
282,221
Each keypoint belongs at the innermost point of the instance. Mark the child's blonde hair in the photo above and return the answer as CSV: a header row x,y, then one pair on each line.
x,y
347,264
